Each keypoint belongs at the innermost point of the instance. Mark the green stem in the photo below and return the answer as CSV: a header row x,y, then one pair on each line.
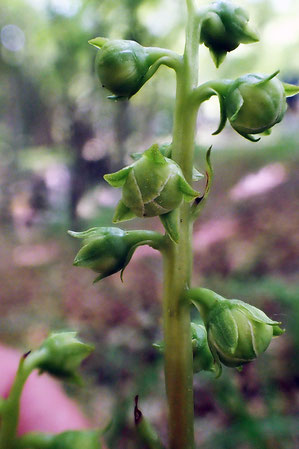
x,y
178,258
11,407
153,239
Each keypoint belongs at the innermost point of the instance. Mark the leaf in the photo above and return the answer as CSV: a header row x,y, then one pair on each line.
x,y
170,222
118,178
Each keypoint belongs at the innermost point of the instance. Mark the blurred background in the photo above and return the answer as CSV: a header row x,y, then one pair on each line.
x,y
59,135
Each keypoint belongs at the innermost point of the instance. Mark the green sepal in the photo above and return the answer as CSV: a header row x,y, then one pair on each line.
x,y
290,89
237,100
196,175
249,137
136,156
155,155
249,36
132,195
117,98
164,149
170,222
267,132
256,314
218,57
203,359
159,346
200,201
98,42
224,328
118,178
188,192
277,331
95,232
223,116
122,213
268,78
130,255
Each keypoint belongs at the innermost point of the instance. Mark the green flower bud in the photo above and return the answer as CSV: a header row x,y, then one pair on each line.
x,y
223,28
203,359
237,332
123,66
62,354
76,439
152,186
109,250
254,103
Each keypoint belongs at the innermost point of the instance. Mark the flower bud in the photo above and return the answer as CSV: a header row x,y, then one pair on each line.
x,y
109,250
223,28
254,103
203,359
237,332
76,439
123,66
62,354
154,185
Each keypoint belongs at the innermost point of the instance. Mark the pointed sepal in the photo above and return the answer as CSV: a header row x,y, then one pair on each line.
x,y
290,89
218,57
118,178
155,155
170,222
188,192
122,213
98,42
196,175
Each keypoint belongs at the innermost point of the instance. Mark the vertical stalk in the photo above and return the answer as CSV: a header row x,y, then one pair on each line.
x,y
178,258
11,406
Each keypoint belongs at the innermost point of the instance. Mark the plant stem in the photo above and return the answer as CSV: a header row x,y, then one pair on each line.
x,y
178,258
11,407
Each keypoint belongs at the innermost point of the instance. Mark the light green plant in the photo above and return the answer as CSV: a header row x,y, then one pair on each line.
x,y
155,184
159,183
59,355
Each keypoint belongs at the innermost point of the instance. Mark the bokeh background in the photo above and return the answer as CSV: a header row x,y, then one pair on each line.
x,y
59,135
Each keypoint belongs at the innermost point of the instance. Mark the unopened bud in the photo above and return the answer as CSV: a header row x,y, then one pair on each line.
x,y
62,353
237,332
224,27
